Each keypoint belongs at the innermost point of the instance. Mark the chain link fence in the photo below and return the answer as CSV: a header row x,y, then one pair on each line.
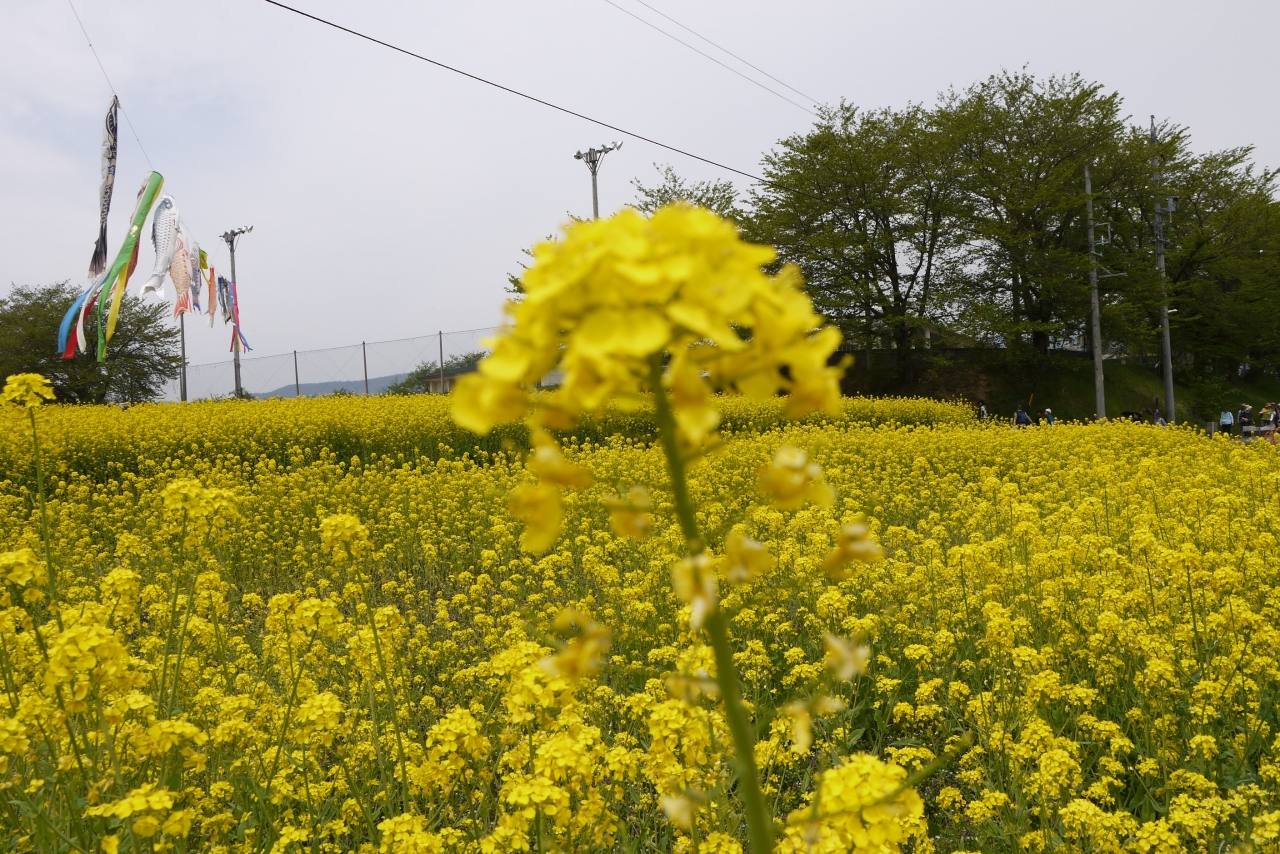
x,y
368,368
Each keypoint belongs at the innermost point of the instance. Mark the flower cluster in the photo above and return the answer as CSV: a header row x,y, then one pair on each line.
x,y
26,390
614,295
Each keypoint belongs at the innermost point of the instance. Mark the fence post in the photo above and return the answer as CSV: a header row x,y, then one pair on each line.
x,y
297,388
364,354
182,327
441,337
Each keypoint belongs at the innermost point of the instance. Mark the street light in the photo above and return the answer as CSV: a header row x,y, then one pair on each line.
x,y
232,238
592,157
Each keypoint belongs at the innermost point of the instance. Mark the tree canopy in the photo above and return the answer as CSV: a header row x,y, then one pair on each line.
x,y
144,352
964,222
719,196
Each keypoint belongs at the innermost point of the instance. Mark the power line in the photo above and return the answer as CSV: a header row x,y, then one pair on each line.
x,y
109,84
729,52
511,91
712,58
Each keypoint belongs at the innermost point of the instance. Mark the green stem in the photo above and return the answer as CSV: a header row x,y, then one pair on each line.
x,y
391,692
182,638
675,460
288,711
44,523
759,821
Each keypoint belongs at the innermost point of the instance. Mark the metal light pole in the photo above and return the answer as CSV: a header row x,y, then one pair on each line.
x,y
592,157
232,238
1099,396
182,329
1166,345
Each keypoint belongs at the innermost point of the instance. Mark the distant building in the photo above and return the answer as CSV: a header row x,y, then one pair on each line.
x,y
442,383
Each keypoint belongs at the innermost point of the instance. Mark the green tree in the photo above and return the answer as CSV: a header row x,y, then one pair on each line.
x,y
1223,270
144,352
1023,144
718,196
866,204
1221,258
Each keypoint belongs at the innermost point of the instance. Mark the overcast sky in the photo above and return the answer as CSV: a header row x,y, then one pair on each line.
x,y
390,198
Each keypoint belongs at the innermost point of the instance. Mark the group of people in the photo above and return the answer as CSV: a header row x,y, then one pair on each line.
x,y
1020,418
1267,421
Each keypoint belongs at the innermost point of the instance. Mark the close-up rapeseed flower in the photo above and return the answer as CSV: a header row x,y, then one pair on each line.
x,y
26,390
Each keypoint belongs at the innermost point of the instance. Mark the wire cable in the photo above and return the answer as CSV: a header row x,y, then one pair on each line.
x,y
518,93
110,85
713,59
809,98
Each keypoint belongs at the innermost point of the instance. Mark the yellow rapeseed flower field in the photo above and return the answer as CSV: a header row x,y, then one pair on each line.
x,y
286,650
103,442
644,613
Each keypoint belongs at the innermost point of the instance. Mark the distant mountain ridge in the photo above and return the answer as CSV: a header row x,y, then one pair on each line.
x,y
377,385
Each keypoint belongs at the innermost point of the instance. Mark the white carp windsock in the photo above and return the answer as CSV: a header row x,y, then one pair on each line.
x,y
164,237
180,271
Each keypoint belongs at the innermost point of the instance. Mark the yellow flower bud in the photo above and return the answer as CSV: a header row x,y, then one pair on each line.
x,y
694,582
629,515
548,463
541,509
844,659
792,480
853,544
744,558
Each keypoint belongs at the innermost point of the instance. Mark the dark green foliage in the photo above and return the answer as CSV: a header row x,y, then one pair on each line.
x,y
143,354
867,205
962,225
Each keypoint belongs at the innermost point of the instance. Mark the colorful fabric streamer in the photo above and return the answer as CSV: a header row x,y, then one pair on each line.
x,y
213,296
71,330
180,271
117,278
235,325
230,306
199,262
99,261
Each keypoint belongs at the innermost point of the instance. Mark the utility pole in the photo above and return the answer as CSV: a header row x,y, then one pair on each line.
x,y
232,238
592,157
1099,394
1166,346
